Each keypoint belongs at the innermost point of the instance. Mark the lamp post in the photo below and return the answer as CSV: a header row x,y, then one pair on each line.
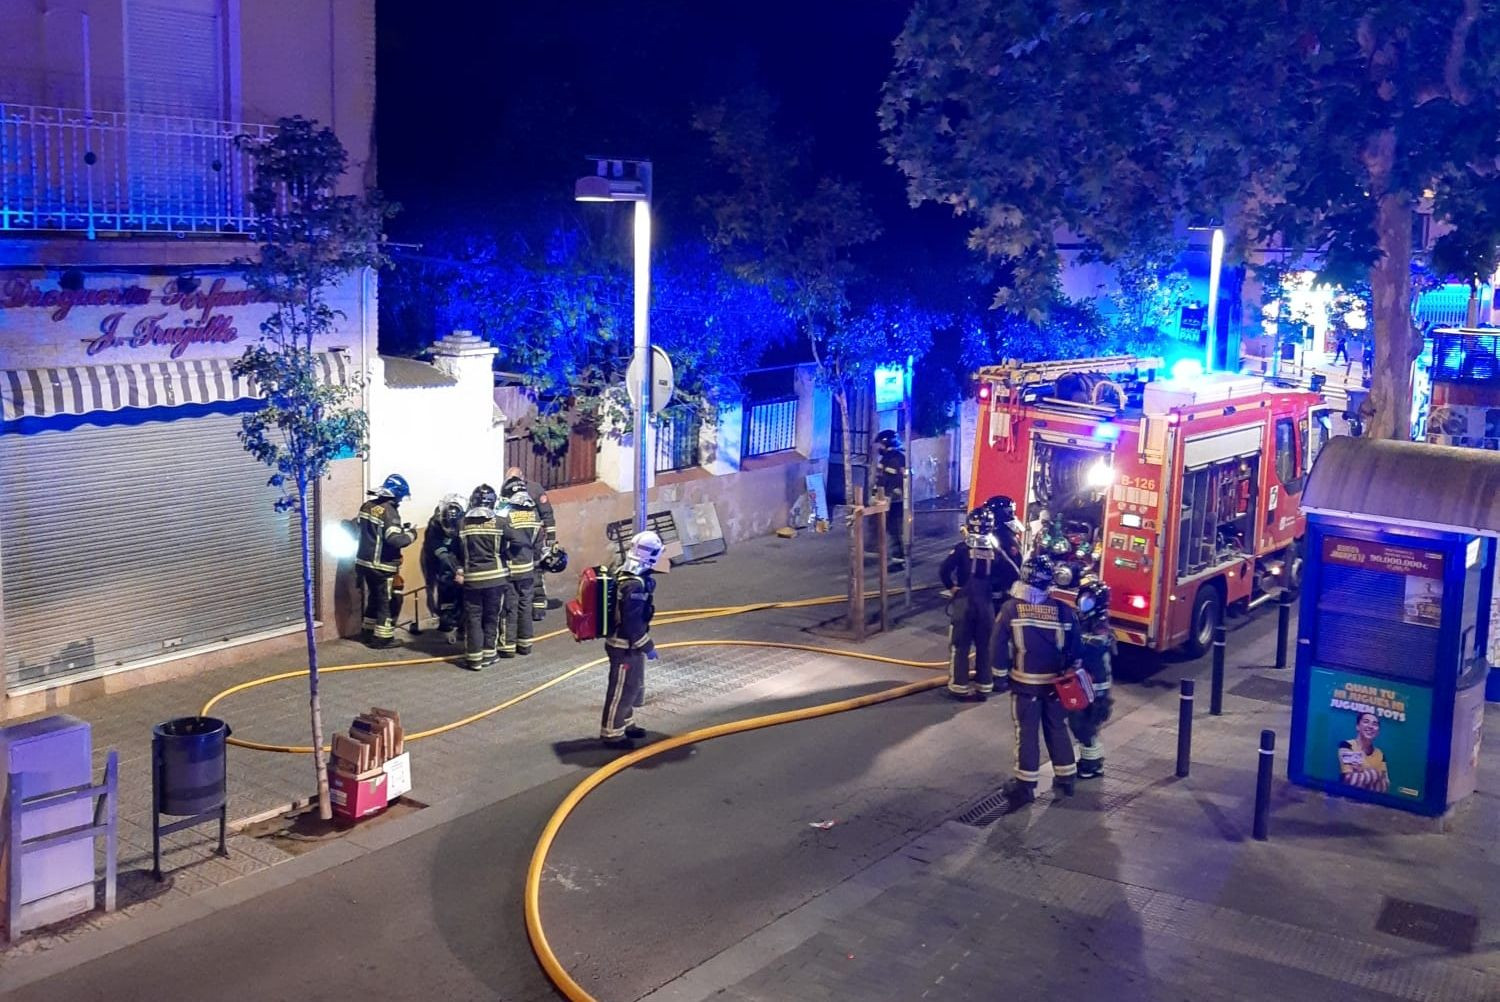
x,y
625,180
1215,271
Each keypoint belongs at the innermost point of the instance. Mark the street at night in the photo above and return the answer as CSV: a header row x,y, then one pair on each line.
x,y
871,500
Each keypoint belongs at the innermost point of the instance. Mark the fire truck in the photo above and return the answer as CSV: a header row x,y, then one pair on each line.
x,y
1180,491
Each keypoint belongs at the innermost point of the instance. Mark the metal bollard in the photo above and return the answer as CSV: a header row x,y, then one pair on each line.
x,y
1216,694
1184,727
1283,625
1263,784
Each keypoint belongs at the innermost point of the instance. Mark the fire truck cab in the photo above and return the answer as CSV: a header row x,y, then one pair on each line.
x,y
1182,494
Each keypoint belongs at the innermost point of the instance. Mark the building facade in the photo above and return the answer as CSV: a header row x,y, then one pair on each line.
x,y
138,539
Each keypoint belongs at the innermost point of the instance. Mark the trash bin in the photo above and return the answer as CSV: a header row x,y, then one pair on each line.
x,y
190,765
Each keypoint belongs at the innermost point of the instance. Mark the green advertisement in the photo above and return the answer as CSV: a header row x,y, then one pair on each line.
x,y
1366,732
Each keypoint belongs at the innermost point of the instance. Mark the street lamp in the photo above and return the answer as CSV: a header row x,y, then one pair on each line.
x,y
1215,271
623,180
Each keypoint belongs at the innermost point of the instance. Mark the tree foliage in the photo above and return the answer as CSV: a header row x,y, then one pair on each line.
x,y
311,239
554,295
1318,126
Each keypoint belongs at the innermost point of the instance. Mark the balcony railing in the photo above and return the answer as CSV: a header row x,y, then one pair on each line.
x,y
63,169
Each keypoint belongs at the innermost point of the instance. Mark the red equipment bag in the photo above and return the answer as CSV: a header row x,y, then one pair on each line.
x,y
591,614
1075,690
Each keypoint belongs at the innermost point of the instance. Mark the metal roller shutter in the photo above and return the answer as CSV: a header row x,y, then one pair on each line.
x,y
126,542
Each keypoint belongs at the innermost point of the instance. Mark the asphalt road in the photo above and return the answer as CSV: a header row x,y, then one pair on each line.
x,y
659,870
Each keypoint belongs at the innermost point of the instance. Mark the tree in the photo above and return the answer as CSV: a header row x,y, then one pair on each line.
x,y
1321,129
554,296
1149,295
311,238
792,232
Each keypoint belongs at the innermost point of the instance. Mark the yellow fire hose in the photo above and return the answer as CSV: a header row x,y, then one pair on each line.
x,y
550,964
666,618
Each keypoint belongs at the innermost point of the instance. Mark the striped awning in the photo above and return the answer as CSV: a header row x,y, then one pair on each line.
x,y
83,389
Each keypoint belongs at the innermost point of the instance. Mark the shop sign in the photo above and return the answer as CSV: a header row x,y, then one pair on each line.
x,y
174,315
1367,733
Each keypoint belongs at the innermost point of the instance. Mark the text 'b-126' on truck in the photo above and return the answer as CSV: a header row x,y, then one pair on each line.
x,y
1182,494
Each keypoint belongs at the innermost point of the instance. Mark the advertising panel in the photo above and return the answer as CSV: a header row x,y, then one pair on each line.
x,y
1368,733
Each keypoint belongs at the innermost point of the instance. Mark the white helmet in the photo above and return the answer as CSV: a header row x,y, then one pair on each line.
x,y
645,551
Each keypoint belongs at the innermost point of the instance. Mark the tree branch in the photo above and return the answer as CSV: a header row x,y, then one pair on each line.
x,y
1454,66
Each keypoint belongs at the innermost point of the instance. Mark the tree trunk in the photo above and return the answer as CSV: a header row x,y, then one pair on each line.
x,y
841,398
315,706
1396,346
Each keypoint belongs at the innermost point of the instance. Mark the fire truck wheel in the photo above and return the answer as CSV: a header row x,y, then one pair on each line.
x,y
1208,612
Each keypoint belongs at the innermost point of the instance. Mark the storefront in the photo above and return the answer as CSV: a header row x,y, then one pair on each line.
x,y
136,529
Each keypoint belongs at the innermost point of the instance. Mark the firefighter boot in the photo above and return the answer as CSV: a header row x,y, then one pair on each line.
x,y
1063,786
1090,768
1018,793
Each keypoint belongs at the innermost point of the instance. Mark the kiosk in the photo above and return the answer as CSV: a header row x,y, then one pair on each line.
x,y
1388,704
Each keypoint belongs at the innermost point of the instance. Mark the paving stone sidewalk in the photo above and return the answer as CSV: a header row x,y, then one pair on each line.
x,y
684,686
1148,887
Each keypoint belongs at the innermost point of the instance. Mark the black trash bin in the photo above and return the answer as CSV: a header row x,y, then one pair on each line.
x,y
189,778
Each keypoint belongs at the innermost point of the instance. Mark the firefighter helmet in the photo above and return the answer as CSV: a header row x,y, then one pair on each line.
x,y
395,488
1037,571
645,551
511,486
554,560
451,511
1093,603
520,499
482,501
1003,508
888,439
980,522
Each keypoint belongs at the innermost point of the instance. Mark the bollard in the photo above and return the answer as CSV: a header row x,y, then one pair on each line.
x,y
1216,694
1184,727
1263,784
1283,625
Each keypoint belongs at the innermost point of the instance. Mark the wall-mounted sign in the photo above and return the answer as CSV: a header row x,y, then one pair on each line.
x,y
152,312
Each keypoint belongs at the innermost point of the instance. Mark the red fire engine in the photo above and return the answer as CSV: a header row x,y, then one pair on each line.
x,y
1182,494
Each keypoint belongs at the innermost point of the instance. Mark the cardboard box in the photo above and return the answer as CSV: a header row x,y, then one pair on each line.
x,y
397,776
357,796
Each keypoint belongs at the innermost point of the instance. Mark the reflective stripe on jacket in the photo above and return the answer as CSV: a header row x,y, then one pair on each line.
x,y
381,536
481,547
1036,637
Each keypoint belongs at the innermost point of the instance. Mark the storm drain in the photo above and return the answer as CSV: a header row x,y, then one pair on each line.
x,y
1267,690
986,812
1428,924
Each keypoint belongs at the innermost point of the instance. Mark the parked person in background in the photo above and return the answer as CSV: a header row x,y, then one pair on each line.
x,y
965,573
890,481
1036,640
549,541
628,642
382,537
440,561
524,542
1098,651
482,573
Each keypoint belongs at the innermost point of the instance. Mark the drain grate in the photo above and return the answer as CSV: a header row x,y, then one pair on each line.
x,y
1267,690
1429,924
985,812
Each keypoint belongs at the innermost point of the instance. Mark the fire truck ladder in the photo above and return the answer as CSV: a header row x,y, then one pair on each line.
x,y
1019,374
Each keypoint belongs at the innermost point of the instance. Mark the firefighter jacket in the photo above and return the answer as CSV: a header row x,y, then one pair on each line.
x,y
635,606
1007,569
481,551
524,539
1097,650
890,473
1036,637
970,565
545,512
382,537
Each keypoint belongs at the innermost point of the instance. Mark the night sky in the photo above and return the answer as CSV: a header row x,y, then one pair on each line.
x,y
486,103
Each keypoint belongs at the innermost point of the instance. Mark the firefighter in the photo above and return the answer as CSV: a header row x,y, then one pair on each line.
x,y
440,560
890,480
1009,531
628,642
482,573
549,523
1097,643
382,537
965,573
524,542
1036,640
